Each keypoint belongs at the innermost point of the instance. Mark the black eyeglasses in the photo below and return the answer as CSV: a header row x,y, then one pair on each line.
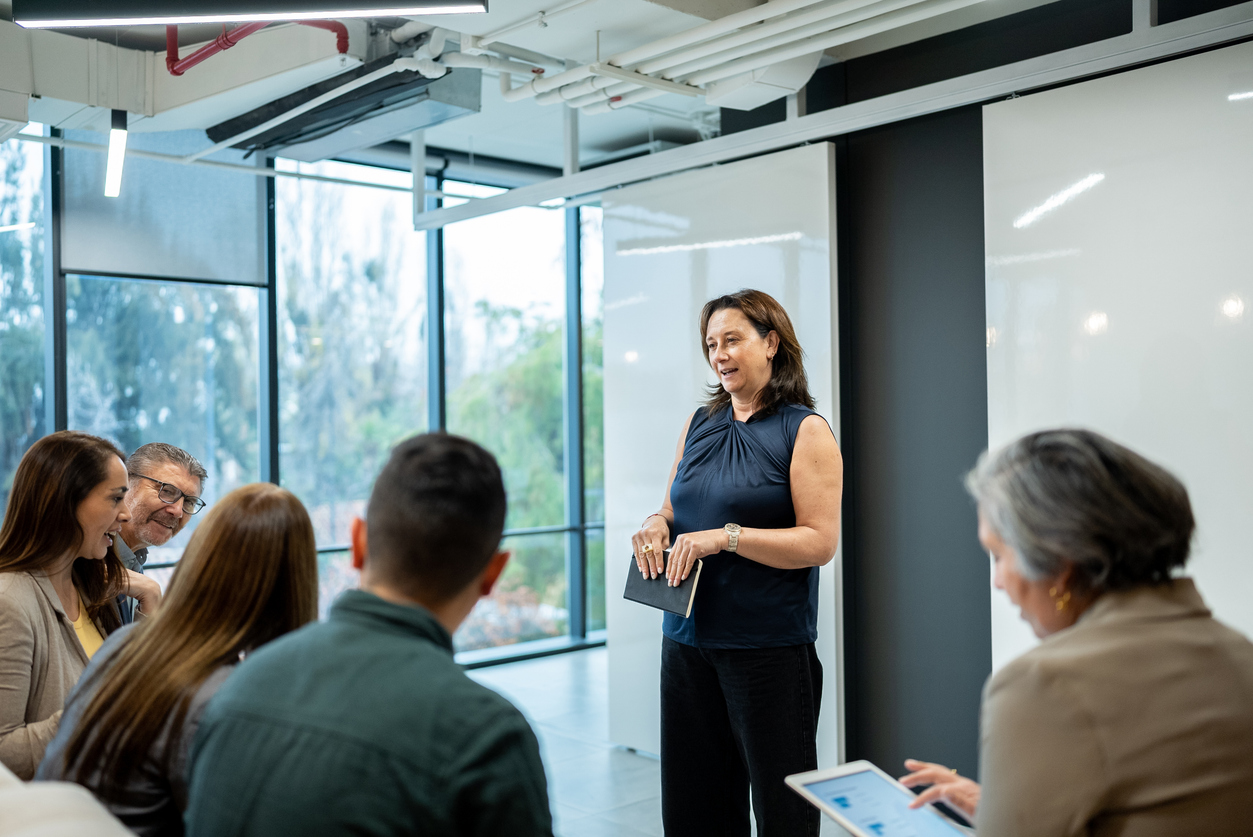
x,y
171,494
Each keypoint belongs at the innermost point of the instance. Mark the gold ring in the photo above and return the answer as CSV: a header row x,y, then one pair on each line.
x,y
648,547
952,770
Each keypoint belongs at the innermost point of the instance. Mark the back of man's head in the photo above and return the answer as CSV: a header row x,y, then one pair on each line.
x,y
435,516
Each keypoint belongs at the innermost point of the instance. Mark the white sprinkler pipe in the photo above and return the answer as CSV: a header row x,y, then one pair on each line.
x,y
882,23
822,18
714,28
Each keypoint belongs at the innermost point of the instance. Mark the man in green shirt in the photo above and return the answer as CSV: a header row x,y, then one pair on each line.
x,y
363,724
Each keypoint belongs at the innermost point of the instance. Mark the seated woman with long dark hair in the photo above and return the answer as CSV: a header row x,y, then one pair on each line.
x,y
59,581
248,575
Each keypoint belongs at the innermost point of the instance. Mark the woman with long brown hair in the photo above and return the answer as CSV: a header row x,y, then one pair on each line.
x,y
248,575
59,579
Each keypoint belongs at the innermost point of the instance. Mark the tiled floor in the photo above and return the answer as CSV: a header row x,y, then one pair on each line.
x,y
597,789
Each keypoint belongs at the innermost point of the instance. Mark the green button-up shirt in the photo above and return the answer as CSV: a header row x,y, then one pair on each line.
x,y
364,725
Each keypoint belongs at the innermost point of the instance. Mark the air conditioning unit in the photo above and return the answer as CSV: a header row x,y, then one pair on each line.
x,y
392,107
751,90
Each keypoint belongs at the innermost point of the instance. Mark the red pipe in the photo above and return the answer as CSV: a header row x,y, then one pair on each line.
x,y
340,30
228,39
224,41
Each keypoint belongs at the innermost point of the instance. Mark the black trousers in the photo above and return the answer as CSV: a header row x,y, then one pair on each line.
x,y
734,720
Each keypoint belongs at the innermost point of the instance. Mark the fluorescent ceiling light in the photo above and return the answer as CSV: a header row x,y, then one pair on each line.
x,y
709,245
37,14
1235,97
117,155
1033,215
29,225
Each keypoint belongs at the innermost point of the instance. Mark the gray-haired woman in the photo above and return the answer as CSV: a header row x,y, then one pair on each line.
x,y
1134,715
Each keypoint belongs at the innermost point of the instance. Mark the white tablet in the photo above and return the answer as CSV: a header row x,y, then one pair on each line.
x,y
867,802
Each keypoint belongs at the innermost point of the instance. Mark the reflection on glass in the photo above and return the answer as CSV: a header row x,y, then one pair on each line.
x,y
1096,323
505,303
595,540
167,362
1054,201
529,600
1233,307
591,249
352,337
21,305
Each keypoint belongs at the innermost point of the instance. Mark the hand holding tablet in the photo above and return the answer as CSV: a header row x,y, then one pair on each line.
x,y
867,802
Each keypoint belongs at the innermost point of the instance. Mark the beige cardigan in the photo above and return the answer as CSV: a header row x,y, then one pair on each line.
x,y
40,661
1137,722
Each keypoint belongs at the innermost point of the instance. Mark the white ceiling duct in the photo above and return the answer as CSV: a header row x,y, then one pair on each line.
x,y
762,86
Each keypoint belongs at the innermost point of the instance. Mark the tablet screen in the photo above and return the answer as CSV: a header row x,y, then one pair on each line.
x,y
878,807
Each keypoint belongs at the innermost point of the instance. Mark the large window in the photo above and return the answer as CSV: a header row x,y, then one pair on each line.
x,y
309,371
504,281
171,362
351,343
21,305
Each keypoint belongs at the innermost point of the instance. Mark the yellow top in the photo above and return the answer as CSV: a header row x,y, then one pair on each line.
x,y
88,633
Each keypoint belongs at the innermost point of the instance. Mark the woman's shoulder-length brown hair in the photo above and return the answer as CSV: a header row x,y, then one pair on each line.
x,y
40,526
249,575
788,384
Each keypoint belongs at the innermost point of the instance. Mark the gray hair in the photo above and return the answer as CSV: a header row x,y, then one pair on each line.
x,y
159,453
1073,497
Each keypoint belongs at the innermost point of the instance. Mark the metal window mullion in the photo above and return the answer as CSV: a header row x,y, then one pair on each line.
x,y
56,391
572,416
268,401
436,377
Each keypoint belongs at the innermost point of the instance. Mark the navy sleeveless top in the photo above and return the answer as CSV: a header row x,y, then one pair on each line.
x,y
739,472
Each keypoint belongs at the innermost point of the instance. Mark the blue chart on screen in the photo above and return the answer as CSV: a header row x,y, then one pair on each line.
x,y
877,807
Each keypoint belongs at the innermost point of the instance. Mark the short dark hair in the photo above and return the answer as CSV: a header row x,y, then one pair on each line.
x,y
160,453
1073,497
435,516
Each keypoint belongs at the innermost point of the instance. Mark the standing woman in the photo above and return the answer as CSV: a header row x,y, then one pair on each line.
x,y
755,492
59,576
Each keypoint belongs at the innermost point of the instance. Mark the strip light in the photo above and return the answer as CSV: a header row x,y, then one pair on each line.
x,y
117,155
70,23
1236,97
1033,215
29,225
709,245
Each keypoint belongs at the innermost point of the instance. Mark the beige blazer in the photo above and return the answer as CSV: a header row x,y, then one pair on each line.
x,y
40,661
1137,722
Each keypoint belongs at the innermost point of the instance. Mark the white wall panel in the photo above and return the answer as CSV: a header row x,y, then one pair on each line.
x,y
1119,236
670,245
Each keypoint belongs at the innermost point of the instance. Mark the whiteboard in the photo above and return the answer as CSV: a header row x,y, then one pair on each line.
x,y
1119,243
671,245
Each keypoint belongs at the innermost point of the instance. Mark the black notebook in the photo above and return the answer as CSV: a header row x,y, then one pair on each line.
x,y
654,592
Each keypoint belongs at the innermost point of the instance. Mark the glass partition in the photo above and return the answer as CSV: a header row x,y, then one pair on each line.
x,y
21,305
352,336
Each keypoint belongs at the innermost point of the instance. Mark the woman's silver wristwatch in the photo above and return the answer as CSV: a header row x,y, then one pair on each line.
x,y
733,536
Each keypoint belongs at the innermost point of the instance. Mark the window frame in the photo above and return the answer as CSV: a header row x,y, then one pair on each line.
x,y
575,527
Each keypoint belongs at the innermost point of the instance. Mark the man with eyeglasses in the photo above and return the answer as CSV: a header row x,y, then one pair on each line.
x,y
165,487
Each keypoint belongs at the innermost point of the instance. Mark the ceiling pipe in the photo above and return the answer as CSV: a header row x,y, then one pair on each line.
x,y
226,40
823,18
540,19
819,43
730,23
